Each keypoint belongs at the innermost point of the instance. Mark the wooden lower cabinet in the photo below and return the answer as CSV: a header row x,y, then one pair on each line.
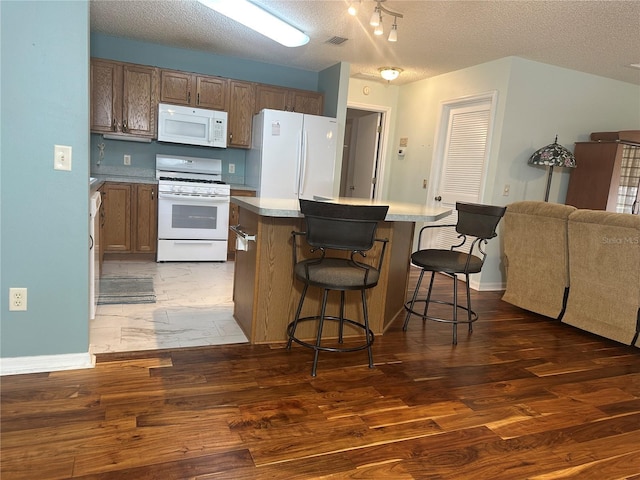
x,y
130,217
145,218
234,219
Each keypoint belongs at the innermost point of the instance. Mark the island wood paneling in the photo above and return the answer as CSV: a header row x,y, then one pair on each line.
x,y
275,293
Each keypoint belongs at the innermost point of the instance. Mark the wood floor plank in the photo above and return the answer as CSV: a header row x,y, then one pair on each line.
x,y
521,397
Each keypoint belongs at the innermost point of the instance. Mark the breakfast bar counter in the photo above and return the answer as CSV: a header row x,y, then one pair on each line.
x,y
265,293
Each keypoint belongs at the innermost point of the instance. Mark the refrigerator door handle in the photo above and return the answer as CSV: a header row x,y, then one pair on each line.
x,y
296,178
304,161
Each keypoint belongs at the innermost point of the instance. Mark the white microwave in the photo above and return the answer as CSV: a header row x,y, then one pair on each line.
x,y
192,126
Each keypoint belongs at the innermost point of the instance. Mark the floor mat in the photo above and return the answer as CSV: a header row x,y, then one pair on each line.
x,y
126,290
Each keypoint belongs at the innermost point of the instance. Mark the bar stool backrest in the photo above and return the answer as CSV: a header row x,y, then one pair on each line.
x,y
477,220
341,227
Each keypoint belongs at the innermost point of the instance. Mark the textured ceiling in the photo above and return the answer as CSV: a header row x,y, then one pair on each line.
x,y
434,37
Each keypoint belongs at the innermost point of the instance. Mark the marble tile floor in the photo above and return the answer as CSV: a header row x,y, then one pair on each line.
x,y
193,307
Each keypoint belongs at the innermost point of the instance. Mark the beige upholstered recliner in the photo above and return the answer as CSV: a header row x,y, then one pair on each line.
x,y
536,256
604,266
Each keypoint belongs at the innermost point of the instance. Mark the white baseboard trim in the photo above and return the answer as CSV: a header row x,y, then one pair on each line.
x,y
46,363
490,287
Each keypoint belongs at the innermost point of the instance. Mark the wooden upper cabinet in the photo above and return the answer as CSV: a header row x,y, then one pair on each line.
x,y
291,100
124,98
175,87
241,109
202,91
306,102
271,97
106,95
139,100
212,92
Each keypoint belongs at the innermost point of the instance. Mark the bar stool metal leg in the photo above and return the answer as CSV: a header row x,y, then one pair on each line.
x,y
292,332
367,331
413,301
323,310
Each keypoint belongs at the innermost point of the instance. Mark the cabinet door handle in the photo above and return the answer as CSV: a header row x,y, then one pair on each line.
x,y
124,126
114,125
438,198
198,98
153,192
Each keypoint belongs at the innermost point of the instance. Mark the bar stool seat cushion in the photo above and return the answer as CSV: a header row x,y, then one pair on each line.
x,y
448,261
336,274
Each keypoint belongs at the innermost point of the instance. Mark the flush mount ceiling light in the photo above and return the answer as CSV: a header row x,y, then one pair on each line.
x,y
389,73
254,17
376,19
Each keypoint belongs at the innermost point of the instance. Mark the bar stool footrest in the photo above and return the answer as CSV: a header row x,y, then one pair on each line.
x,y
369,333
474,315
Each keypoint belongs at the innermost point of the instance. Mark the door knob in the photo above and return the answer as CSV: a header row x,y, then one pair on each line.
x,y
438,198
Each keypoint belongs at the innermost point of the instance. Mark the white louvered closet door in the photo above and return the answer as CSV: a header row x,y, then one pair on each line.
x,y
464,155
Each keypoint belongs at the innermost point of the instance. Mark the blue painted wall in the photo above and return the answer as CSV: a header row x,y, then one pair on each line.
x,y
44,212
126,50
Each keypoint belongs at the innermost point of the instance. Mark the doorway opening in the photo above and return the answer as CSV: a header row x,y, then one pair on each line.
x,y
363,152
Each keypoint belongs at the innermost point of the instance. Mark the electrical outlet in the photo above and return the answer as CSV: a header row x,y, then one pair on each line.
x,y
232,168
62,157
17,299
127,159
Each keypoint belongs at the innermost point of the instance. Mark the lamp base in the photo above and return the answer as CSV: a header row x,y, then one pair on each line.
x,y
546,195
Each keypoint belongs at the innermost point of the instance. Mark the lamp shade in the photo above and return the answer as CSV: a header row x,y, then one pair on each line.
x,y
553,155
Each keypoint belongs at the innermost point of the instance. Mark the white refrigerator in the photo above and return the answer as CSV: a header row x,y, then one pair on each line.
x,y
292,155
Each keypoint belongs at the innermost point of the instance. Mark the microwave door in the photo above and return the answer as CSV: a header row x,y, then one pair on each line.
x,y
189,129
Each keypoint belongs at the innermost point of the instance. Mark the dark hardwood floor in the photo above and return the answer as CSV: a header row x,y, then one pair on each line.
x,y
522,397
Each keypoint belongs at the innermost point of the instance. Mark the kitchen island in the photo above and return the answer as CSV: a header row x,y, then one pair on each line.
x,y
265,293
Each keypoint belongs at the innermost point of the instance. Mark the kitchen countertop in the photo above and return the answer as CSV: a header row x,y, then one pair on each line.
x,y
398,211
135,175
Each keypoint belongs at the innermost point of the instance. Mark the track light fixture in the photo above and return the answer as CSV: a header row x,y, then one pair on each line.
x,y
376,19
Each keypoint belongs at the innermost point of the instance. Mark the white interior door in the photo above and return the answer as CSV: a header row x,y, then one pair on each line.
x,y
361,172
460,160
365,170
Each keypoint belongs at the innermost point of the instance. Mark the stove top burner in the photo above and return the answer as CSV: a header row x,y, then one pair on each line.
x,y
192,180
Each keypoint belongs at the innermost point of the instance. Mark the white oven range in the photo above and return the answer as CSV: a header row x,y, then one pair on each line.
x,y
193,209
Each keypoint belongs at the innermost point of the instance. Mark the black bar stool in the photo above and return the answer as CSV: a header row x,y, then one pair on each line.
x,y
349,229
476,225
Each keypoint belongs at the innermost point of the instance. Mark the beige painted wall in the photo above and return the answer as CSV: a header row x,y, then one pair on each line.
x,y
535,101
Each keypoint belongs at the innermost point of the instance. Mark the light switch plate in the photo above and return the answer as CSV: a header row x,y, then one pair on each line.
x,y
61,157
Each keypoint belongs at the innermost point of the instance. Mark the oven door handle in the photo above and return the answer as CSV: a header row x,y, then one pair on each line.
x,y
174,196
